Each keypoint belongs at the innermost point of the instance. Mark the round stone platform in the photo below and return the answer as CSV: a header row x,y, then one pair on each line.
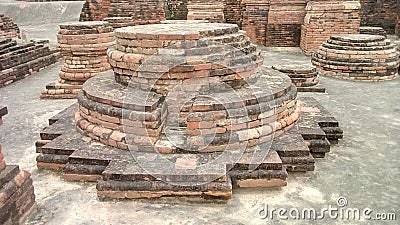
x,y
358,57
83,46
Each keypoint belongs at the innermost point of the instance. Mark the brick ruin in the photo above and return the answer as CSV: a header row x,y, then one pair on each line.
x,y
16,190
304,77
373,31
141,11
182,115
212,11
358,57
83,46
380,13
19,59
118,22
325,18
8,29
281,23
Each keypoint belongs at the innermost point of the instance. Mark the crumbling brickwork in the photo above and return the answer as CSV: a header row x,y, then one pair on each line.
x,y
255,19
325,18
382,13
284,22
8,29
212,11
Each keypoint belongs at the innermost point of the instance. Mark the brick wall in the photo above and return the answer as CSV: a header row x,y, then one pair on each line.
x,y
398,25
8,29
284,22
211,10
255,19
142,11
381,13
325,18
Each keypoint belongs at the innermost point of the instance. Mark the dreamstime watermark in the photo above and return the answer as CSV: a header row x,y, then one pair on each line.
x,y
339,211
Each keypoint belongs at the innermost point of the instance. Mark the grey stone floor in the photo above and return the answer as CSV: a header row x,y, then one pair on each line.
x,y
363,167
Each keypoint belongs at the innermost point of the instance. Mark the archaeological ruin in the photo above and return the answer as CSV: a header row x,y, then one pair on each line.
x,y
192,100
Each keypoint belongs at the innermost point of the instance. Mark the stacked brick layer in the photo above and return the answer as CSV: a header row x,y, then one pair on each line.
x,y
326,18
118,22
18,60
305,76
118,176
16,190
373,31
398,25
358,57
233,11
142,11
8,29
255,19
83,46
212,11
176,9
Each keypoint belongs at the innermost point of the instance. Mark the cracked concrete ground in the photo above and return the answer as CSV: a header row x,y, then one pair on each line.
x,y
363,167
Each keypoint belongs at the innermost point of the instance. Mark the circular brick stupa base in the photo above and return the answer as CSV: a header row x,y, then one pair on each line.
x,y
373,31
83,46
304,77
189,112
358,57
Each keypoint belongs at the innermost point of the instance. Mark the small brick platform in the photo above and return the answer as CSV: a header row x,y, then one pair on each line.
x,y
20,59
84,46
118,22
373,31
8,29
17,198
305,77
189,112
212,10
358,57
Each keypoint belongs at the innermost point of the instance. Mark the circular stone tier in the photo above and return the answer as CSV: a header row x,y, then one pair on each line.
x,y
357,57
217,96
84,46
161,56
118,22
301,75
373,31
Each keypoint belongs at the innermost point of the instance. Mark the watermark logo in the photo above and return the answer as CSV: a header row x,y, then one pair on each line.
x,y
339,211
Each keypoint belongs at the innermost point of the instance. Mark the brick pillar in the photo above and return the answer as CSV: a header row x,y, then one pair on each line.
x,y
211,10
284,22
255,19
325,18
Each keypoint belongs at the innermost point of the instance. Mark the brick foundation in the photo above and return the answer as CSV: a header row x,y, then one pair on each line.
x,y
17,198
326,18
21,59
8,29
